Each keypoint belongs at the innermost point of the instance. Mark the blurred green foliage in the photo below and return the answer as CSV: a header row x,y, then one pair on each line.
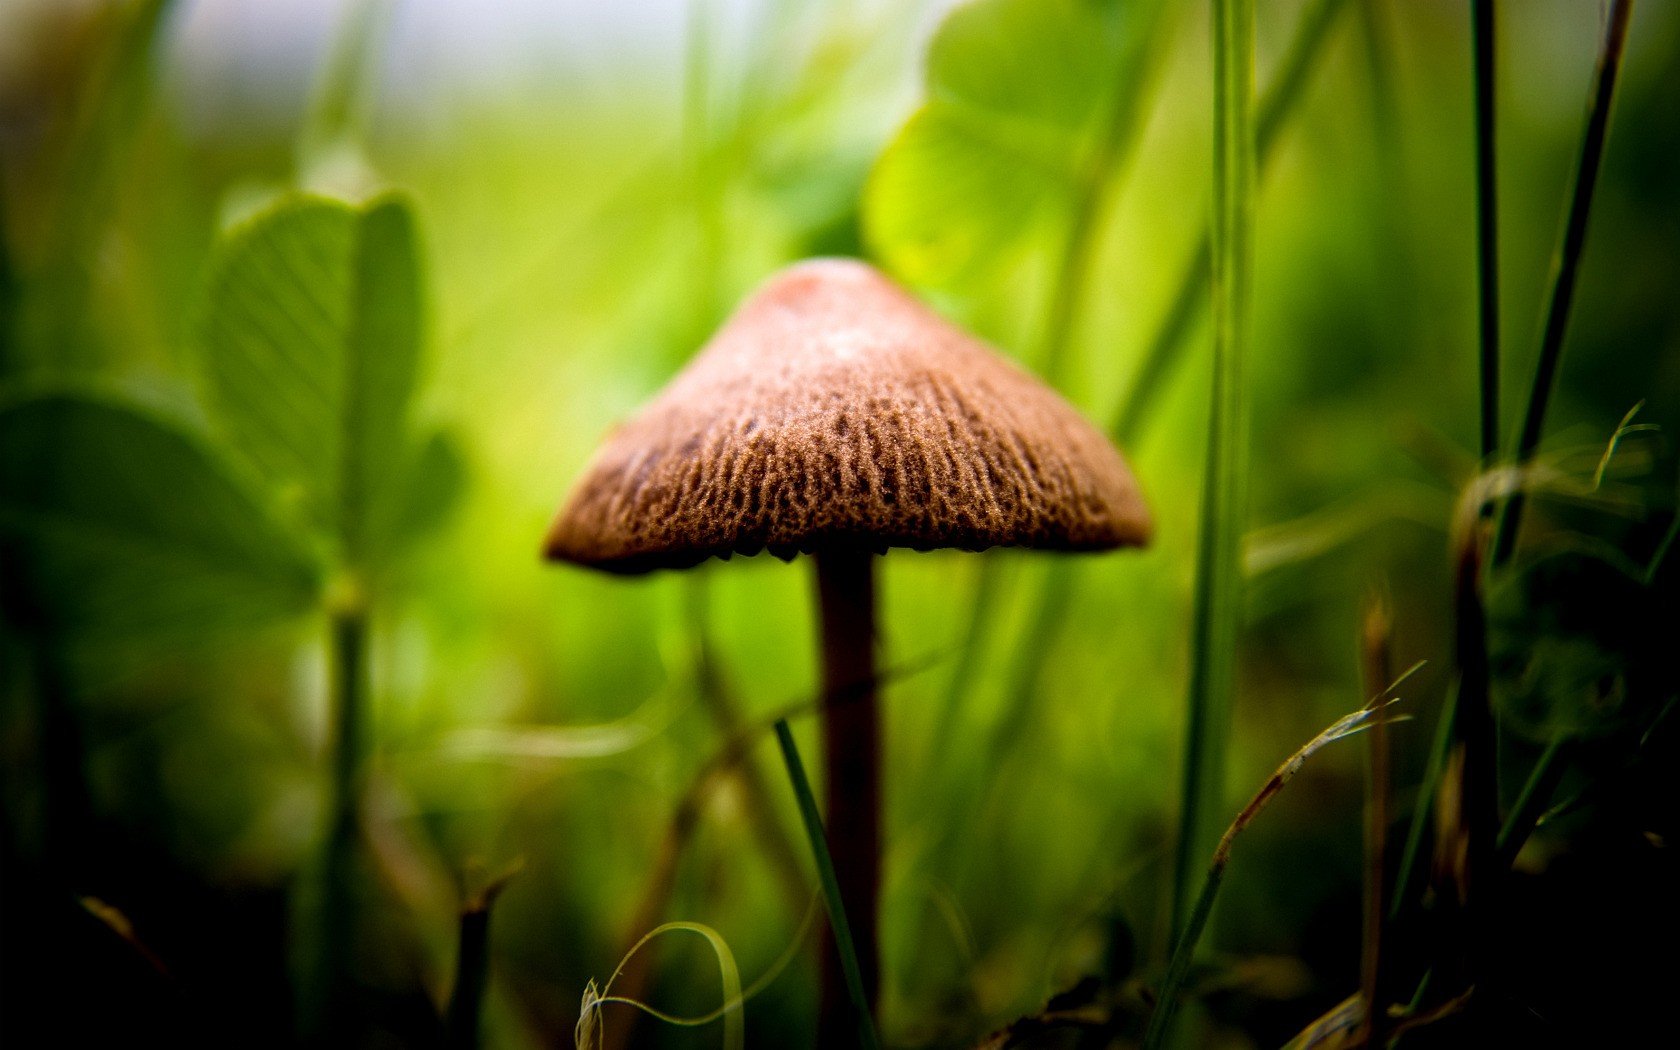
x,y
214,400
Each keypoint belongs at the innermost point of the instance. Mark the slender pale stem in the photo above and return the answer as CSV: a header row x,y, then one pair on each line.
x,y
851,759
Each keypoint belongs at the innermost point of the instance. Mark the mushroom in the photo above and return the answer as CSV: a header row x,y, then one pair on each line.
x,y
835,415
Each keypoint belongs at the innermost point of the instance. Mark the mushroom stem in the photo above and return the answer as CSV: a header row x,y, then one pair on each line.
x,y
851,755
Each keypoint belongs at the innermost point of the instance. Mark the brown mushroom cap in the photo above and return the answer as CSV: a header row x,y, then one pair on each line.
x,y
834,409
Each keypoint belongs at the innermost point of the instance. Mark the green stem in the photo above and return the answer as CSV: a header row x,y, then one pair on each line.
x,y
347,657
466,1003
1487,223
1424,805
1184,953
1565,268
1217,608
842,932
349,649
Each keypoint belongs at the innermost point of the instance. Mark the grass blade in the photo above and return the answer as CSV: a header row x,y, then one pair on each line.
x,y
591,1028
1059,581
1184,950
1487,223
1565,268
1166,349
830,884
1218,599
1535,797
1424,805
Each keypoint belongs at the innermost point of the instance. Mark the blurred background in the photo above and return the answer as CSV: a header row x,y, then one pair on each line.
x,y
594,187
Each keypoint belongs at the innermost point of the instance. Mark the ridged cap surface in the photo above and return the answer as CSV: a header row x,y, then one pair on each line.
x,y
833,408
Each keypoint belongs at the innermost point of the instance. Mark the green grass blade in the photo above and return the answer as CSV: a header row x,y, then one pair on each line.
x,y
1059,582
1424,805
1217,611
1566,266
1487,223
830,883
590,1032
1185,942
1534,798
1166,349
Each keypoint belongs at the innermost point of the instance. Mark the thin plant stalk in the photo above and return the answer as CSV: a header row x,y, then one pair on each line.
x,y
1378,672
463,1022
1424,804
1483,36
1565,268
1475,745
1184,949
347,659
832,899
1217,609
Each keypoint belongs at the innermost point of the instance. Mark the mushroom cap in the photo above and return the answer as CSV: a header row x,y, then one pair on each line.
x,y
834,409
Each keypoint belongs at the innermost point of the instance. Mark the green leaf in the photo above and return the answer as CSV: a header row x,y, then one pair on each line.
x,y
431,480
1023,96
126,528
310,332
